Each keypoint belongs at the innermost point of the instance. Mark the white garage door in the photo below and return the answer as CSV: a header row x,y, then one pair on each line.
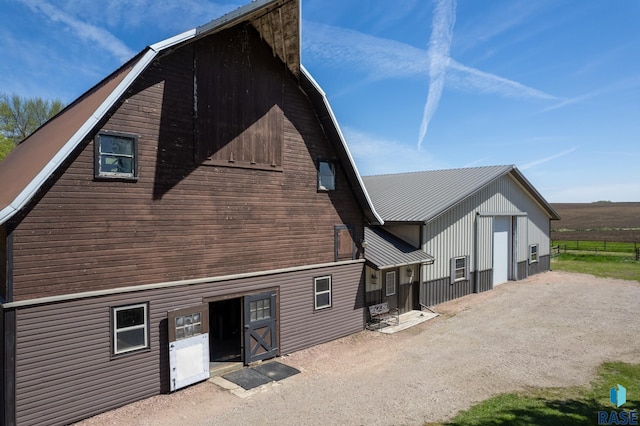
x,y
501,249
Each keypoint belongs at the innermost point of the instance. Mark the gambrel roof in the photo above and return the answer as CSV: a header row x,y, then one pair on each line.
x,y
26,169
420,197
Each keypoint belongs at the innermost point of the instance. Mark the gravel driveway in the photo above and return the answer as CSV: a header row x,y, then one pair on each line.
x,y
552,329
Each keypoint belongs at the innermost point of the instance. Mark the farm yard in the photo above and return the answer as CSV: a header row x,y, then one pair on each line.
x,y
598,222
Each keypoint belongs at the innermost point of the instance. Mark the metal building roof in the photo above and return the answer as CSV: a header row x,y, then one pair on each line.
x,y
386,251
420,197
34,160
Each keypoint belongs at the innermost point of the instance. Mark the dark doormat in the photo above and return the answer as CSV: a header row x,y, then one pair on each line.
x,y
275,370
249,378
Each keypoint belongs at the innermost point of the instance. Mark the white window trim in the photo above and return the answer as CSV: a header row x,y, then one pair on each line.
x,y
465,268
317,293
537,253
116,330
386,283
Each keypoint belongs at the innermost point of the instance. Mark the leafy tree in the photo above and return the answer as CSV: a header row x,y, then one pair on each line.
x,y
19,117
5,147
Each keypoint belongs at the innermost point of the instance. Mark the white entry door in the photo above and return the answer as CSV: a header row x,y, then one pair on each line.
x,y
501,225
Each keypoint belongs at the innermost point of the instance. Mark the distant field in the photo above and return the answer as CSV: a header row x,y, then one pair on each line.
x,y
596,222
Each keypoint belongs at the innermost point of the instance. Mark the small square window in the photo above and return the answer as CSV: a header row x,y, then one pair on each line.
x,y
390,283
326,176
116,156
130,328
533,253
322,292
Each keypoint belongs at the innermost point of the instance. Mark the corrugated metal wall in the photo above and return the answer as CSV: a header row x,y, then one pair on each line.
x,y
454,232
484,242
438,291
408,233
65,371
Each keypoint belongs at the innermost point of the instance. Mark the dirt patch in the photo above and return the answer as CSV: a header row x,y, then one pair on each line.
x,y
552,329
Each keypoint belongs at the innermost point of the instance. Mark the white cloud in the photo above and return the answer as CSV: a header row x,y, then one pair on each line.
x,y
380,58
375,156
464,77
444,17
377,57
84,31
546,159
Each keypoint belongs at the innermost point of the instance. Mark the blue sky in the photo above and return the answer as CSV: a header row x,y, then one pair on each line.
x,y
551,86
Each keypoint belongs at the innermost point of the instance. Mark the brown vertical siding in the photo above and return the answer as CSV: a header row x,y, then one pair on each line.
x,y
65,371
180,219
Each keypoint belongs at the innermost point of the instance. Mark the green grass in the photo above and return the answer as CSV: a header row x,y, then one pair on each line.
x,y
610,246
600,265
556,406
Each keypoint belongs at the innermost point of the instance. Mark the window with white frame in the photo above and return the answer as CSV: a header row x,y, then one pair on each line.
x,y
459,268
533,253
322,292
116,155
390,283
326,175
130,328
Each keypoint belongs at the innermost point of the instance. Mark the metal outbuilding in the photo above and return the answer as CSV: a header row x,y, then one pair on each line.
x,y
483,226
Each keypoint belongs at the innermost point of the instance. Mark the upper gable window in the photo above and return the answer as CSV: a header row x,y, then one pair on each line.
x,y
326,176
116,156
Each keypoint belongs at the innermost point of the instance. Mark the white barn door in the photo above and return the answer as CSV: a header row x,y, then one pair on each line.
x,y
501,250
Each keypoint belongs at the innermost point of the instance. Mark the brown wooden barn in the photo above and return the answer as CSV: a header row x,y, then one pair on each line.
x,y
198,205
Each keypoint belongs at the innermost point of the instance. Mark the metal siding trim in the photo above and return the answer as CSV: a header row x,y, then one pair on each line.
x,y
8,407
9,266
84,295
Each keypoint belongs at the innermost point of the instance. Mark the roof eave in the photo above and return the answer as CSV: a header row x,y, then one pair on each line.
x,y
553,215
34,185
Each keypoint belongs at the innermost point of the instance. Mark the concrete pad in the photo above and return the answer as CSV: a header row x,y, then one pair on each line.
x,y
407,320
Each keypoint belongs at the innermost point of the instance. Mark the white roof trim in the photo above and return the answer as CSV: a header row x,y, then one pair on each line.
x,y
172,41
316,86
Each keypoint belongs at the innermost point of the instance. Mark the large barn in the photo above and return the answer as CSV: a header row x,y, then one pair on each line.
x,y
199,205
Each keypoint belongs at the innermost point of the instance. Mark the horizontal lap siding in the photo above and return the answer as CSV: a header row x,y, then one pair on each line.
x,y
302,326
180,220
63,364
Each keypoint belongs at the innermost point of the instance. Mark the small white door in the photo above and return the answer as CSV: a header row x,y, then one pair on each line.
x,y
189,361
501,225
188,331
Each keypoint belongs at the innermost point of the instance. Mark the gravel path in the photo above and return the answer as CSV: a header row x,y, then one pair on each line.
x,y
552,329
